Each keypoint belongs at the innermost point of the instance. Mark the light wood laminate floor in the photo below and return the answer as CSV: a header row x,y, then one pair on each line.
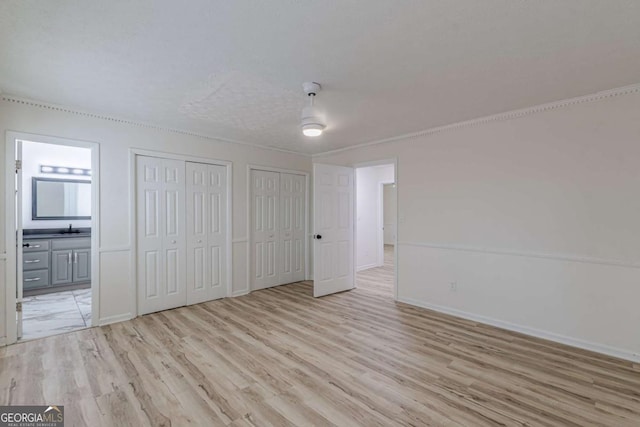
x,y
280,357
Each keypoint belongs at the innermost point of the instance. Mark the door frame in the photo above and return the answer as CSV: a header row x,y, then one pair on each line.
x,y
247,239
133,153
389,161
11,284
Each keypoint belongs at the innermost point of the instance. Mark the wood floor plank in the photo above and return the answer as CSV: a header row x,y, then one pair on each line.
x,y
283,358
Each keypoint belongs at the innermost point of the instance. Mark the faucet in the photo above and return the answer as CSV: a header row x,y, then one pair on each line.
x,y
69,230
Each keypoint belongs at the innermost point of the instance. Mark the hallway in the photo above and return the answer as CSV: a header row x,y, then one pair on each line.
x,y
379,280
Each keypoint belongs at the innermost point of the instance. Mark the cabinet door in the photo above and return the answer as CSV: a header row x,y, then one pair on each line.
x,y
61,267
82,265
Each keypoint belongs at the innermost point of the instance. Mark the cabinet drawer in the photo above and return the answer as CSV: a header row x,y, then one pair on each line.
x,y
35,279
35,245
35,260
71,243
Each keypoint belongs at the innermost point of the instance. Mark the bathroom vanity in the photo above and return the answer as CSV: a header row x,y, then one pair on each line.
x,y
54,260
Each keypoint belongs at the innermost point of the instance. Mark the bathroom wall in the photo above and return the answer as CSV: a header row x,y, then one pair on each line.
x,y
35,154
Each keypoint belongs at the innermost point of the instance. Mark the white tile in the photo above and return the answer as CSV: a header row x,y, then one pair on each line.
x,y
55,313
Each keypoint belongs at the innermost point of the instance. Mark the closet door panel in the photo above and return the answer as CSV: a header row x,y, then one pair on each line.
x,y
265,189
175,255
217,233
292,223
197,213
286,228
206,230
298,215
160,234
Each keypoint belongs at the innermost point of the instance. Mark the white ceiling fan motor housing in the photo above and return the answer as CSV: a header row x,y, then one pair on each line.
x,y
312,123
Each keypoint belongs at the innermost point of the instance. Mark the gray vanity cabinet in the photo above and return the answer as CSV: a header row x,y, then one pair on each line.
x,y
70,260
35,261
49,263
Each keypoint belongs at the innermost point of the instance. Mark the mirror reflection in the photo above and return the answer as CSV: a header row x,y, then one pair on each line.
x,y
61,199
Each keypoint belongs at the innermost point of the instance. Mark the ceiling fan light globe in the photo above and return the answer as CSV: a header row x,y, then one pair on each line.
x,y
312,129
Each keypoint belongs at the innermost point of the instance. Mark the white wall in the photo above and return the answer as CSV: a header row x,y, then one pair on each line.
x,y
34,155
535,218
117,299
368,212
389,214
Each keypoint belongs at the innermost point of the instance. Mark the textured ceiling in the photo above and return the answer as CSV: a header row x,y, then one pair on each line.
x,y
233,69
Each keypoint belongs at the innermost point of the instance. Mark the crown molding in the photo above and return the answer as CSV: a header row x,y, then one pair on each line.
x,y
114,119
508,115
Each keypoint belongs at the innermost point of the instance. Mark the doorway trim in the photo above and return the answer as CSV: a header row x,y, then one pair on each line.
x,y
133,152
389,161
247,240
11,284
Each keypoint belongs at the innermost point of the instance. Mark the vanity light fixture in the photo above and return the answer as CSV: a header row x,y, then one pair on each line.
x,y
312,121
63,170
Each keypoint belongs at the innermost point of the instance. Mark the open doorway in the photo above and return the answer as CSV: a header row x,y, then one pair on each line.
x,y
53,280
376,210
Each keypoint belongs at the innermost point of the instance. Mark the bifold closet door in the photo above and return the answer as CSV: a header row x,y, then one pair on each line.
x,y
264,232
161,236
292,228
206,232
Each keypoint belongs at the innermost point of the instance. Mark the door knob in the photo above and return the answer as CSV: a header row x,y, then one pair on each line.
x,y
173,241
199,241
317,236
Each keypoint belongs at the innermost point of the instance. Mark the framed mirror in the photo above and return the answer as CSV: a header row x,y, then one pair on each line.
x,y
60,199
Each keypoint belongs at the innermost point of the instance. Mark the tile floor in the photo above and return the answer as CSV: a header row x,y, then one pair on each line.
x,y
51,314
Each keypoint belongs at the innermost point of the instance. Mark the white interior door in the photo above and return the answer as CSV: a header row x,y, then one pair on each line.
x,y
333,192
206,232
265,189
19,243
292,227
161,234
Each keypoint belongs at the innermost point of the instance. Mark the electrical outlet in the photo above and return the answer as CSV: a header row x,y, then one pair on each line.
x,y
453,286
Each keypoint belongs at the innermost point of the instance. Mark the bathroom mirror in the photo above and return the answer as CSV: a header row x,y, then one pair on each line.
x,y
60,199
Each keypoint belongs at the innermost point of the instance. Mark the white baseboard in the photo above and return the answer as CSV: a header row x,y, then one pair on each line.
x,y
550,336
366,267
3,341
240,293
115,319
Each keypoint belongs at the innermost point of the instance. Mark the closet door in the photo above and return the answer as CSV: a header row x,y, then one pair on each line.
x,y
292,226
161,236
265,188
206,232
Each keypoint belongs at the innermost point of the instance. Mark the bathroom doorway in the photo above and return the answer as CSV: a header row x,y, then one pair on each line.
x,y
54,240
